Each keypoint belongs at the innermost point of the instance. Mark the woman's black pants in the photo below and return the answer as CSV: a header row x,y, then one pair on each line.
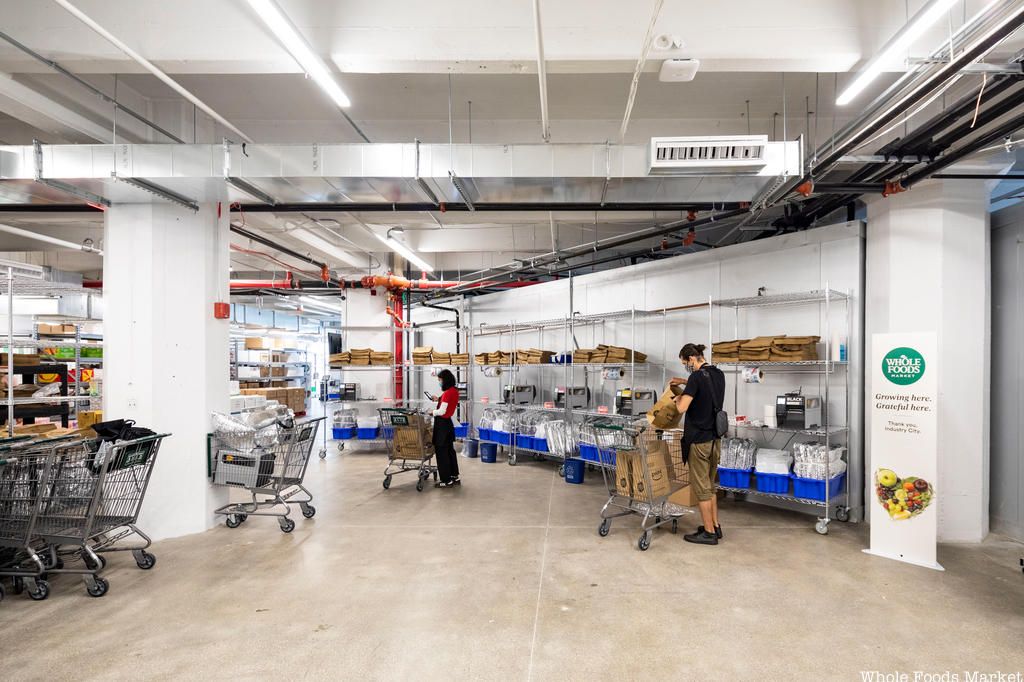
x,y
444,449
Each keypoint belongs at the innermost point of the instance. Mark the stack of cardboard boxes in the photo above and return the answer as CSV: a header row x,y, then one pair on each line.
x,y
56,329
294,398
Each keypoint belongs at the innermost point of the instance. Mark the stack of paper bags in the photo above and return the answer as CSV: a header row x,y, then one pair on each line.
x,y
384,357
535,356
339,359
441,358
421,355
795,348
620,354
361,356
727,351
481,358
460,359
758,349
582,355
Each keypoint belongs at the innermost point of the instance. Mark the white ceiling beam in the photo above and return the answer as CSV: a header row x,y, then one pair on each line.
x,y
25,104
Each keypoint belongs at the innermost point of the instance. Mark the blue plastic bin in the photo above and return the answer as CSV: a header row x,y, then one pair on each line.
x,y
525,442
574,470
540,444
734,478
367,433
334,396
462,430
469,447
501,437
343,433
813,489
484,434
588,453
773,483
488,453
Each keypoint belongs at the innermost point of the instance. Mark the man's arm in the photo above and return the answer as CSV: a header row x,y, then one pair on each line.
x,y
683,403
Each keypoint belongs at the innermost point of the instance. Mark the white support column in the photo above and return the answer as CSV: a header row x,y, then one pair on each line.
x,y
928,269
165,356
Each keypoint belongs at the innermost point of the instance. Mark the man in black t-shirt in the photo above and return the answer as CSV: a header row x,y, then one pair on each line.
x,y
701,400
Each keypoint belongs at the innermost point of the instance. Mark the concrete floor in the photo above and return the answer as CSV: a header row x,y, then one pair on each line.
x,y
507,579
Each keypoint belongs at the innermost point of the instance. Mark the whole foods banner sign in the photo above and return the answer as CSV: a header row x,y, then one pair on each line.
x,y
904,494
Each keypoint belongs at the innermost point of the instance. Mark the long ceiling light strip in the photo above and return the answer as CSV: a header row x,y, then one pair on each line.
x,y
405,252
321,244
299,49
911,31
146,64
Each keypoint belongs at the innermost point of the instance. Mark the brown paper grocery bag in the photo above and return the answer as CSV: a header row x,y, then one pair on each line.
x,y
665,414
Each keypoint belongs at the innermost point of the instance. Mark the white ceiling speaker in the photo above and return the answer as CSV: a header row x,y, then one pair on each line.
x,y
678,70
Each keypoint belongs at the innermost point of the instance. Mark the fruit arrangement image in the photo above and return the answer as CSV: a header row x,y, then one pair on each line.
x,y
903,498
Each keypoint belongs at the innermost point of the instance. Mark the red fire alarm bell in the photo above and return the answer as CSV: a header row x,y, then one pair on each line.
x,y
221,311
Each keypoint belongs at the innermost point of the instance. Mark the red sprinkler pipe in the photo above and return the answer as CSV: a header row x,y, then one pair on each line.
x,y
285,283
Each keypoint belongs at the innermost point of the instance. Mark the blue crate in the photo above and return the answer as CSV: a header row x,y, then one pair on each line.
x,y
462,430
334,396
540,444
343,433
484,434
590,453
501,437
777,484
734,478
525,442
813,489
367,433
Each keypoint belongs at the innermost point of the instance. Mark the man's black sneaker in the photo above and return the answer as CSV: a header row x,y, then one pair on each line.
x,y
701,537
718,531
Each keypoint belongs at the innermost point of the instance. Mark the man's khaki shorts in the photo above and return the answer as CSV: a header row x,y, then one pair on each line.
x,y
704,467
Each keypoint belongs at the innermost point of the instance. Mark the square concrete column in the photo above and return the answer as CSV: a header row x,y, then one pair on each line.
x,y
165,356
927,269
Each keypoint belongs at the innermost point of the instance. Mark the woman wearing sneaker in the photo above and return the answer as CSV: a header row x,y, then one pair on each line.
x,y
701,399
444,431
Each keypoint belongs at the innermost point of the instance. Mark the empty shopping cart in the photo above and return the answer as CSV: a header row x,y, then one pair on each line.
x,y
271,464
407,434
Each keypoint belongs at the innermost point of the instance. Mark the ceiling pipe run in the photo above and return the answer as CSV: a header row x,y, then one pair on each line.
x,y
460,207
149,66
47,239
542,74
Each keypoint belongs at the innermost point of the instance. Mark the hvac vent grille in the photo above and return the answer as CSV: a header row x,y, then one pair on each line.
x,y
708,154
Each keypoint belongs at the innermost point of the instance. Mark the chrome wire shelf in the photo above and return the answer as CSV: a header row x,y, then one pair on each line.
x,y
817,296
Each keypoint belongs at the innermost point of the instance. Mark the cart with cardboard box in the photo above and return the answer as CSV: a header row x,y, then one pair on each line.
x,y
408,436
269,462
644,471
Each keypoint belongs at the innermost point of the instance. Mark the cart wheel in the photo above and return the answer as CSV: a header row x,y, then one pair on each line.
x,y
821,526
145,560
323,454
308,510
92,565
561,470
387,482
99,588
341,447
644,542
603,529
675,526
512,460
41,592
419,486
287,525
242,518
232,521
843,514
17,585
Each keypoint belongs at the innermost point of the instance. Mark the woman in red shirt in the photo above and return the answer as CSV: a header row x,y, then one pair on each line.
x,y
444,431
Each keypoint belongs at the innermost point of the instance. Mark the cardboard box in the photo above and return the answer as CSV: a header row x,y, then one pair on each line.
x,y
20,359
684,497
86,418
34,429
278,371
278,356
255,343
264,372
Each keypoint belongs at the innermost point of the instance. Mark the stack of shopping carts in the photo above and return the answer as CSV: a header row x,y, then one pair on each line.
x,y
267,458
64,502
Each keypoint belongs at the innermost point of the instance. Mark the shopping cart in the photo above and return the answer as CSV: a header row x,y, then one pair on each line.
x,y
24,471
407,435
271,464
642,468
64,500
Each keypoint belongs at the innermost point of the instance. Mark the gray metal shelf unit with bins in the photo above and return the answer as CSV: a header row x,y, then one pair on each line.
x,y
825,370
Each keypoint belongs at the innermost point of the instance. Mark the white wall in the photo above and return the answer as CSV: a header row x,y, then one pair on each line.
x,y
790,263
927,269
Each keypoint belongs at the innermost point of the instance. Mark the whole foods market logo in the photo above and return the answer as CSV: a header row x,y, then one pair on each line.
x,y
903,366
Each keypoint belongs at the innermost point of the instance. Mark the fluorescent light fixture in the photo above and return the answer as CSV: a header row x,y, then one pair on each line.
x,y
405,252
314,301
321,244
914,29
299,49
